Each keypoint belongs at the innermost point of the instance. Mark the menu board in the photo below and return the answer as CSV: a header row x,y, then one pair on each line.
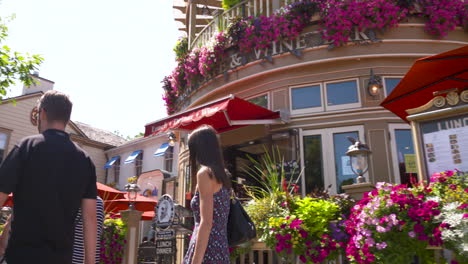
x,y
445,144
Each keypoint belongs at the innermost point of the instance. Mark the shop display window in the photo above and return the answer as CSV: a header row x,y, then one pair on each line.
x,y
326,165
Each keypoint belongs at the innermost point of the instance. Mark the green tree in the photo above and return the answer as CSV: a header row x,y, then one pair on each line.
x,y
13,65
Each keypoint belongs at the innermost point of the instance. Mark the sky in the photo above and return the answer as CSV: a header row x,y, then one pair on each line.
x,y
109,56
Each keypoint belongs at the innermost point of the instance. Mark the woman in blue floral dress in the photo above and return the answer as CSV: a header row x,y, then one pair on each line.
x,y
210,204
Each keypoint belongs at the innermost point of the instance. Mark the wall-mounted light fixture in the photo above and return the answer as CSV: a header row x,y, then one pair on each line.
x,y
374,86
172,138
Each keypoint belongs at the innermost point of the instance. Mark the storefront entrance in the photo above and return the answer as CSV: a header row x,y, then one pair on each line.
x,y
326,165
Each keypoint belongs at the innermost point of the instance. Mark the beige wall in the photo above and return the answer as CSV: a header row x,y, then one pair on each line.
x,y
15,121
99,159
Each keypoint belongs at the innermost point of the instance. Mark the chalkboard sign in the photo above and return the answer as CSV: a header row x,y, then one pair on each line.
x,y
445,144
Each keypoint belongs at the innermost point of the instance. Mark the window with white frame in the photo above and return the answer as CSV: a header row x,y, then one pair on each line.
x,y
342,94
327,96
168,159
403,153
3,145
261,100
306,99
324,158
116,171
139,164
390,83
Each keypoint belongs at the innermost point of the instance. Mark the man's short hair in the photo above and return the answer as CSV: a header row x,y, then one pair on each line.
x,y
56,105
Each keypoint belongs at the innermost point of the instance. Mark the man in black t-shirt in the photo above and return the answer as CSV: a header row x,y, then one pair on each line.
x,y
50,178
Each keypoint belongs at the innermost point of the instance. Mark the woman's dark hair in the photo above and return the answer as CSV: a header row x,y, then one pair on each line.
x,y
205,151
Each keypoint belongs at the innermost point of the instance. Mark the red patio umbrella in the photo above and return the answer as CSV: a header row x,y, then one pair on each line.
x,y
104,191
426,76
109,193
142,203
146,215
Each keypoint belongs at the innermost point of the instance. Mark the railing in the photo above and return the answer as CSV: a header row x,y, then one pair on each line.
x,y
259,254
244,9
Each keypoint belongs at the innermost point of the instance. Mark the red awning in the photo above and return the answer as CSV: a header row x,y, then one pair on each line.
x,y
427,76
223,115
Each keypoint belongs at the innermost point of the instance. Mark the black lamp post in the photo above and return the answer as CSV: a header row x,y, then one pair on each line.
x,y
132,189
359,155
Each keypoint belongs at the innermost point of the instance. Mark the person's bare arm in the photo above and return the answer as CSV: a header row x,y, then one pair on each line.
x,y
205,190
5,235
88,208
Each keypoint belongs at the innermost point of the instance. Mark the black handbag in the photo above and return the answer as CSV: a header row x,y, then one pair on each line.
x,y
240,227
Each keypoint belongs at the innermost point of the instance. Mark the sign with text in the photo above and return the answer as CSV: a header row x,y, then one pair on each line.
x,y
165,246
165,234
410,163
445,144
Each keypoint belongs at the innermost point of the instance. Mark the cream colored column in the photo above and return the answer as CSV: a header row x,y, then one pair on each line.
x,y
132,219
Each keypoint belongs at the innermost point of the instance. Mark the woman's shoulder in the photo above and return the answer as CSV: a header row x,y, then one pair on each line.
x,y
204,171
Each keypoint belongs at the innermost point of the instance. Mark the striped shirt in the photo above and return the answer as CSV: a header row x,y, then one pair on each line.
x,y
78,242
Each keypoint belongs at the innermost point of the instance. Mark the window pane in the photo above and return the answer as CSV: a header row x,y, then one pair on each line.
x,y
306,97
3,139
405,152
390,84
344,172
260,101
342,93
313,163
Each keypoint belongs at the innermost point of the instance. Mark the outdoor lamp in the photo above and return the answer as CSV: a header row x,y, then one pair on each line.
x,y
172,138
359,154
132,189
375,84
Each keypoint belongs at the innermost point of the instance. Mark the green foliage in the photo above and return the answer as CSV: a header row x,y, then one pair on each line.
x,y
113,241
139,135
181,48
270,175
316,214
227,4
13,65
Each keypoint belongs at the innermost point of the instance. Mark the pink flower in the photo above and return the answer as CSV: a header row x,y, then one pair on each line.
x,y
380,229
418,228
412,234
381,246
295,224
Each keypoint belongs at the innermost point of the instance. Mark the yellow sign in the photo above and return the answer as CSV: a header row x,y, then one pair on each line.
x,y
410,163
